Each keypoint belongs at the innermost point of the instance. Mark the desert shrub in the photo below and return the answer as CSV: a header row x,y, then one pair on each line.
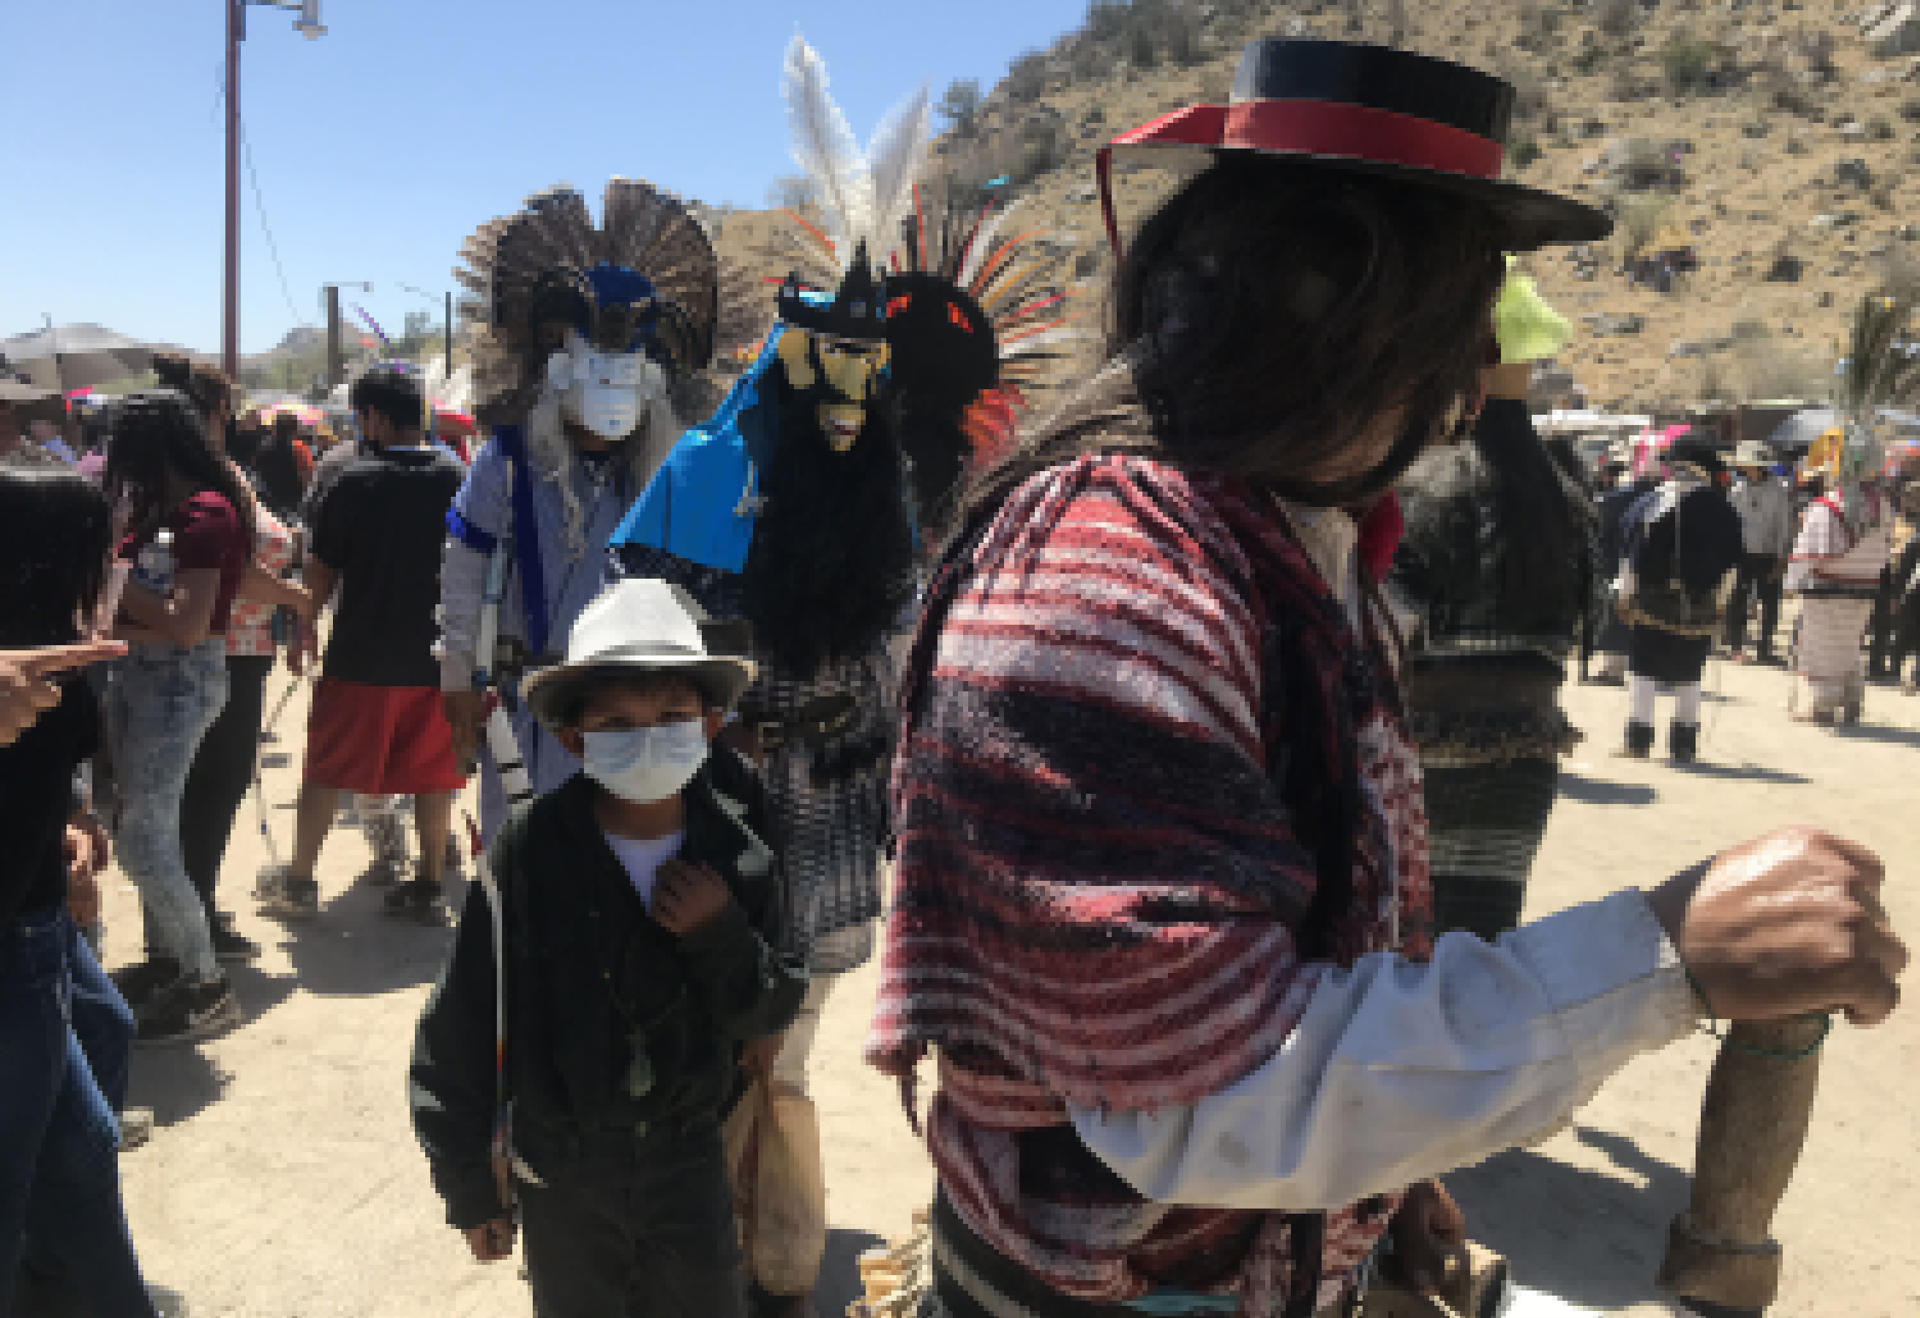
x,y
790,192
1687,64
1639,218
1766,366
1026,77
1042,148
1529,91
1616,18
960,107
1523,153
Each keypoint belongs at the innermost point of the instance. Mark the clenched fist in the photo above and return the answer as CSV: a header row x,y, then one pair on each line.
x,y
1785,925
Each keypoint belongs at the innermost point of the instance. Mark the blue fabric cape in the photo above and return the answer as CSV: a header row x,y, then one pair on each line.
x,y
699,505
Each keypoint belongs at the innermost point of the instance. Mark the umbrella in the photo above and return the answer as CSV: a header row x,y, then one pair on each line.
x,y
1797,433
18,391
67,357
30,402
305,413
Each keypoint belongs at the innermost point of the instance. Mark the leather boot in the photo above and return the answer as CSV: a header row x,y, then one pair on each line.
x,y
1639,740
1683,740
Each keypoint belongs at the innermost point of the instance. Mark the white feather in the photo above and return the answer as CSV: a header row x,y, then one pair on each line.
x,y
980,247
1045,339
825,147
894,159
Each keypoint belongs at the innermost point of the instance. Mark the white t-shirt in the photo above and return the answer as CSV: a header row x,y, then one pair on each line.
x,y
642,857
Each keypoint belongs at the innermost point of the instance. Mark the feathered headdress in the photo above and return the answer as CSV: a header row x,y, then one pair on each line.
x,y
976,317
865,197
645,277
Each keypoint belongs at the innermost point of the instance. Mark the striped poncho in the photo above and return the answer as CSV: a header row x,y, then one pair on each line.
x,y
1151,788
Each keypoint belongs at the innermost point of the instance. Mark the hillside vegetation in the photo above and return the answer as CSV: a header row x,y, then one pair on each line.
x,y
1778,139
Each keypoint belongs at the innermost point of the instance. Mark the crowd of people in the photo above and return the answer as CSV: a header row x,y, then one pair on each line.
x,y
1705,545
1210,725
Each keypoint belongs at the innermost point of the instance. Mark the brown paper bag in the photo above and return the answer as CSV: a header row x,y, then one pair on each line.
x,y
772,1143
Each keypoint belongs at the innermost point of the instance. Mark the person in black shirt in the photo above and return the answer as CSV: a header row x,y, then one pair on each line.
x,y
59,1187
1681,543
376,726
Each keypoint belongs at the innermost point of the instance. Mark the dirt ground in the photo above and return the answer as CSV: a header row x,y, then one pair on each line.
x,y
282,1180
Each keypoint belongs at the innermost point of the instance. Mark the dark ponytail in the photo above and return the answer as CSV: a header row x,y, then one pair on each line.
x,y
157,431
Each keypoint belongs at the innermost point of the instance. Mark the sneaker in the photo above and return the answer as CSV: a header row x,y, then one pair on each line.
x,y
141,980
231,947
188,1010
1639,741
1683,742
417,899
285,897
382,873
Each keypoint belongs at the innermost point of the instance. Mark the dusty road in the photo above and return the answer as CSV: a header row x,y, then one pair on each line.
x,y
283,1181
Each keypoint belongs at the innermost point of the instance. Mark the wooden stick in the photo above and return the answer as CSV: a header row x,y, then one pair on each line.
x,y
1753,1124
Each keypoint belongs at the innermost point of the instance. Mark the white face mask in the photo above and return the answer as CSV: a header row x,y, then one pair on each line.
x,y
644,765
606,392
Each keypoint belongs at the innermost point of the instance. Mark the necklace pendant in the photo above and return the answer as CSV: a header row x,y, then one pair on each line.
x,y
639,1066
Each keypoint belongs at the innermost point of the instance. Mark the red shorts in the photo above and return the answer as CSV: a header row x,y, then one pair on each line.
x,y
379,740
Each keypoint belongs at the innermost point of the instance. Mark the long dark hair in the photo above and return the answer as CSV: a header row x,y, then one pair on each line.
x,y
55,529
1497,510
204,383
159,431
1268,315
831,565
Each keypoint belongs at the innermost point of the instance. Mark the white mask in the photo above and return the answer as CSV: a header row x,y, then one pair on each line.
x,y
644,765
604,391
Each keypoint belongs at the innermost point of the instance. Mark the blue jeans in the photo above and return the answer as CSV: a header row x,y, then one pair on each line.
x,y
59,1143
102,1022
165,699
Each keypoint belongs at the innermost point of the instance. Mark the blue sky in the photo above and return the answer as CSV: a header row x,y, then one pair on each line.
x,y
379,147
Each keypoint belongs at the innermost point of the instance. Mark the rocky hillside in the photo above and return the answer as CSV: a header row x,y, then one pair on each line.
x,y
1762,158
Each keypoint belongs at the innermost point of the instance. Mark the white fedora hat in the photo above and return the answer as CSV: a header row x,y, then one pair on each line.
x,y
640,625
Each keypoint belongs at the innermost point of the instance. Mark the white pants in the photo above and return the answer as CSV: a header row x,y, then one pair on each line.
x,y
1640,697
796,1045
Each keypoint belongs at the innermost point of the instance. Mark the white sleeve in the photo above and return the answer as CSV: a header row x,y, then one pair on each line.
x,y
484,504
463,587
1399,1071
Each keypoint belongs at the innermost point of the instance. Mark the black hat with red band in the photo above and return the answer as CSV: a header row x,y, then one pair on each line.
x,y
1370,109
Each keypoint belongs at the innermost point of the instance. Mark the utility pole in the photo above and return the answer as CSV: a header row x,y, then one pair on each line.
x,y
449,336
336,363
309,26
230,312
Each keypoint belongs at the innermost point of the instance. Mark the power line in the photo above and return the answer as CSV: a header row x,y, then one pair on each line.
x,y
259,202
273,248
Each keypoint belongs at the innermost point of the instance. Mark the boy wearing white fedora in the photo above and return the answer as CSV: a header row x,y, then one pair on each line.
x,y
639,918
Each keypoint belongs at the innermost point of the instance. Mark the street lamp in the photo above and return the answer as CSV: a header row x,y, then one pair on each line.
x,y
309,26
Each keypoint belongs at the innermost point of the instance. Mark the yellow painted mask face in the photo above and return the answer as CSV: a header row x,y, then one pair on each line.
x,y
847,372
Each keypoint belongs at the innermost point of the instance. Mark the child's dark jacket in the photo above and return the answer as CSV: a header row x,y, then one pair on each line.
x,y
581,986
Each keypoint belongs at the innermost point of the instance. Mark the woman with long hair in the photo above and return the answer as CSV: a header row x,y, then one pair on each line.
x,y
223,766
175,487
1161,894
59,1186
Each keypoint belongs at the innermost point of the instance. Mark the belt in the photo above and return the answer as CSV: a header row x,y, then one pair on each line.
x,y
813,725
972,1280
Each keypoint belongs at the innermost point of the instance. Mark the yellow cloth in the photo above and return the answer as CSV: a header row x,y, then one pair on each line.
x,y
1528,328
